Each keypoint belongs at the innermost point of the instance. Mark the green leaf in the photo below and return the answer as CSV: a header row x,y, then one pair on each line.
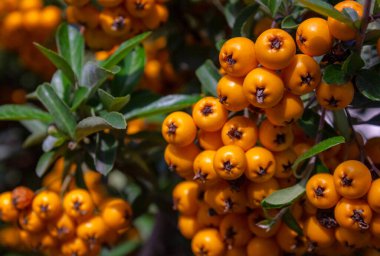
x,y
351,14
61,113
318,148
61,85
113,103
352,64
94,124
123,50
104,153
45,161
132,69
59,62
219,44
38,130
230,12
334,74
80,96
23,112
291,222
376,8
70,45
341,124
52,142
283,197
125,248
242,18
94,76
163,105
273,6
289,23
367,82
79,177
209,77
326,10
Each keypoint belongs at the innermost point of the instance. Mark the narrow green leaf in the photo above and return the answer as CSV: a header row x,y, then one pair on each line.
x,y
351,14
367,82
230,10
38,131
45,161
123,50
163,105
94,76
283,197
113,103
289,23
352,64
52,142
334,74
326,10
242,18
61,113
59,62
80,96
104,155
209,77
341,124
132,69
23,112
124,248
79,177
94,124
70,45
61,85
318,148
291,222
219,44
273,6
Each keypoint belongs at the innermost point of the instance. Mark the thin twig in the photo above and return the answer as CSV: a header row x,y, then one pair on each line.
x,y
363,25
363,154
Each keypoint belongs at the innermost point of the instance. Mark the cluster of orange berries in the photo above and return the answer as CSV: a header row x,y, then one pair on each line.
x,y
346,205
76,223
23,22
159,73
113,21
227,181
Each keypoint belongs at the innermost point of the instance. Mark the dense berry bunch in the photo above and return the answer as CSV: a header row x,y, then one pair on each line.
x,y
23,22
238,148
77,223
111,22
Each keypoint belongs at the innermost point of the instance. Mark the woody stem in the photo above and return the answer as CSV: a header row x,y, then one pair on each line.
x,y
363,25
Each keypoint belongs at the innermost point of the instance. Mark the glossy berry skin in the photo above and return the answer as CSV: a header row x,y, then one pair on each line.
x,y
321,192
230,93
287,111
334,97
352,179
313,37
209,114
275,48
179,129
263,88
338,29
207,242
237,56
47,205
302,75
